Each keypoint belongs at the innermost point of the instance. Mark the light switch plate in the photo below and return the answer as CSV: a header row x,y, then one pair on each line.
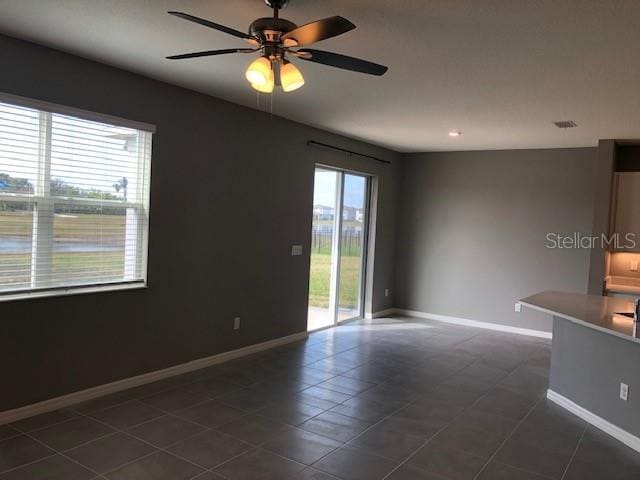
x,y
518,307
624,392
296,250
633,267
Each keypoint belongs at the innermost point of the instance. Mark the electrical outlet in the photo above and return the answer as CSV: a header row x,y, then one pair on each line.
x,y
633,266
624,391
386,292
518,307
236,323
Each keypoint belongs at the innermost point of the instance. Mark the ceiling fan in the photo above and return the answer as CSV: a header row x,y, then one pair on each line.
x,y
275,38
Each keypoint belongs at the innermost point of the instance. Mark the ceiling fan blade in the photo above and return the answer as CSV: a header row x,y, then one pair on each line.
x,y
209,53
341,61
319,30
215,26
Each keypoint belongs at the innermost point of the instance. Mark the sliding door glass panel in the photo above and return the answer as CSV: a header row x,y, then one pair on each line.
x,y
323,264
352,234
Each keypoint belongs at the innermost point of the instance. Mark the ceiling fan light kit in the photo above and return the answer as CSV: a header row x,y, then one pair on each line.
x,y
266,88
290,77
260,72
275,38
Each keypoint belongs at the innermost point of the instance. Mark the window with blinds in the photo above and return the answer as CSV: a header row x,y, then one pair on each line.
x,y
74,200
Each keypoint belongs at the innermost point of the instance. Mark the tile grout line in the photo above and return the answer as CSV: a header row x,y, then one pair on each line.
x,y
305,466
96,474
165,449
412,454
424,444
60,452
260,446
17,434
406,460
156,448
450,422
343,444
520,469
409,403
508,437
349,442
575,451
22,432
29,463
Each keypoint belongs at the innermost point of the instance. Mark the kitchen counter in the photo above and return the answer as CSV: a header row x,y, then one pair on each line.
x,y
593,355
599,313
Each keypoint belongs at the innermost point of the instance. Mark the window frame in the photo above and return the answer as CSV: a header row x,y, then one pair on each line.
x,y
44,204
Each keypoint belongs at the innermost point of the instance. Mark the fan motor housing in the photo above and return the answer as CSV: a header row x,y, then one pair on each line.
x,y
269,30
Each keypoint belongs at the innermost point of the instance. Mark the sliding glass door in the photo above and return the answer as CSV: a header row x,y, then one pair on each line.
x,y
340,214
326,189
351,252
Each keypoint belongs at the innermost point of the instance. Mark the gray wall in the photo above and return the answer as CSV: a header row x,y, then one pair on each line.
x,y
231,190
588,366
472,231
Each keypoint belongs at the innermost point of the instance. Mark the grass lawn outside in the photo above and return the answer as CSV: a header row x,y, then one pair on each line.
x,y
320,280
84,266
74,266
85,227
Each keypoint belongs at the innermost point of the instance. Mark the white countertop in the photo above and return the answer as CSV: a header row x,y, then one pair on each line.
x,y
590,311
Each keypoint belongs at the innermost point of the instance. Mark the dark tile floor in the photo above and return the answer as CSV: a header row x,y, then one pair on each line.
x,y
393,399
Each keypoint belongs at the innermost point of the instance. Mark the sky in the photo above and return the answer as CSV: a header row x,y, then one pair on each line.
x,y
324,191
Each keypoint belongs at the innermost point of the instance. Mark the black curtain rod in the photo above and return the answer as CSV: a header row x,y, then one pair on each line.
x,y
344,150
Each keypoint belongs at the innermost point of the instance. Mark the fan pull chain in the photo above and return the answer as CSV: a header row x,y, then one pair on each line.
x,y
271,112
271,95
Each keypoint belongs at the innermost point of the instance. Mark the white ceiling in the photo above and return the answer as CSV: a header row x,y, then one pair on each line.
x,y
498,70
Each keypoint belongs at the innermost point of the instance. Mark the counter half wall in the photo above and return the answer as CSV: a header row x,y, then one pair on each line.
x,y
593,352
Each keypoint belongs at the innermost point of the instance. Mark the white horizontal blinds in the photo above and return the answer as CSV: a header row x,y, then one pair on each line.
x,y
74,202
16,234
19,152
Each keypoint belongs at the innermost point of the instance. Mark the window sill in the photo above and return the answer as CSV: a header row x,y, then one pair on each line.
x,y
64,292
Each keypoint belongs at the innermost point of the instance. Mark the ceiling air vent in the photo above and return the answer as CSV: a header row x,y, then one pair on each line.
x,y
565,124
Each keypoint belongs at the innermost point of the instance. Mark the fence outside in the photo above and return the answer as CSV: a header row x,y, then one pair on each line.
x,y
321,241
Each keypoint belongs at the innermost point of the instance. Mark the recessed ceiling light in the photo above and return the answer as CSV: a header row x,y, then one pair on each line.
x,y
455,133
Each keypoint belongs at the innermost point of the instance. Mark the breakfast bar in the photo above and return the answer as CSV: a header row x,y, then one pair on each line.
x,y
595,360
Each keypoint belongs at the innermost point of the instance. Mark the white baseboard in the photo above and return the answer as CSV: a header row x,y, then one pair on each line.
x,y
473,323
379,314
616,432
101,390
